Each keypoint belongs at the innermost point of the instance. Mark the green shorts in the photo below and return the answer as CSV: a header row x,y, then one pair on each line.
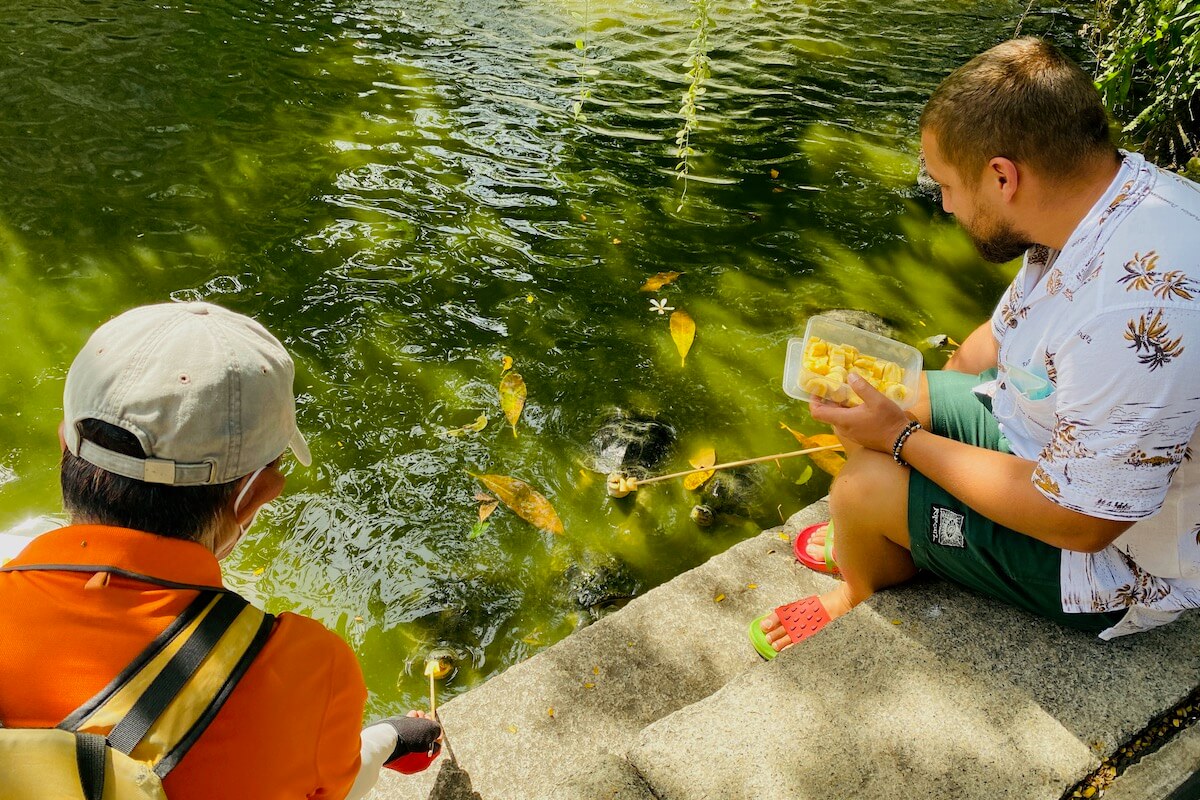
x,y
949,539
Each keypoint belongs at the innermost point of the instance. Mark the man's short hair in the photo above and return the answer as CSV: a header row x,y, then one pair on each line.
x,y
94,496
1023,100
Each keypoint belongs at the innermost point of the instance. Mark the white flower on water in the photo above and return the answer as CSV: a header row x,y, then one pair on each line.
x,y
660,306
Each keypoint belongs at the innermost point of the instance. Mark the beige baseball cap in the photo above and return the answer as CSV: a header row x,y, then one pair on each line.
x,y
207,392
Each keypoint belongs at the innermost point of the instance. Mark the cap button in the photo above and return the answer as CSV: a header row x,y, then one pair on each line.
x,y
197,308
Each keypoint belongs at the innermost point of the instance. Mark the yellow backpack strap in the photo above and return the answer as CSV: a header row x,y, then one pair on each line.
x,y
165,699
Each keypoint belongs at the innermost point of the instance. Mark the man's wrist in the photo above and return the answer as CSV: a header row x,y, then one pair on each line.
x,y
902,437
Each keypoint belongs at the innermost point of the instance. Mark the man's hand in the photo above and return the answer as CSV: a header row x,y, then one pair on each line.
x,y
875,424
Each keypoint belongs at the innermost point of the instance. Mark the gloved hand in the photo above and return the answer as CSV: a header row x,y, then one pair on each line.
x,y
417,743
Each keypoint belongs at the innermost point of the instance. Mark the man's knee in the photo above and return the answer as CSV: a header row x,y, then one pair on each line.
x,y
869,487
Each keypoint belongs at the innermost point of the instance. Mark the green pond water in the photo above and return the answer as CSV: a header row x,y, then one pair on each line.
x,y
402,193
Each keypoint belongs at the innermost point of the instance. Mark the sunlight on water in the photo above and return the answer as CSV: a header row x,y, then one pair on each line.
x,y
402,192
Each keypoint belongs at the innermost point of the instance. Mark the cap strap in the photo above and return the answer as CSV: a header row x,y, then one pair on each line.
x,y
149,470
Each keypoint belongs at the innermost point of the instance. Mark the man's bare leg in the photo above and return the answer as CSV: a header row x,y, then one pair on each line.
x,y
869,507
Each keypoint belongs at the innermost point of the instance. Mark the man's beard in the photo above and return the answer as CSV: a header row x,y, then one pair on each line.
x,y
997,242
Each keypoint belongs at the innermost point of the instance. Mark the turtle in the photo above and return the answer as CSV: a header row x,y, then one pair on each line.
x,y
600,586
735,491
629,443
872,323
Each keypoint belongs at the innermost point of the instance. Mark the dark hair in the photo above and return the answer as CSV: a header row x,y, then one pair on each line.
x,y
96,496
1023,100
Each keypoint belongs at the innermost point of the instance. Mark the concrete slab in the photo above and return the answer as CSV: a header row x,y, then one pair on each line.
x,y
1156,776
926,691
670,648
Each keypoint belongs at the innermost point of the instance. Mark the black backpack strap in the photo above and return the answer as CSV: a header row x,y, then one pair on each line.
x,y
129,732
176,754
91,761
168,635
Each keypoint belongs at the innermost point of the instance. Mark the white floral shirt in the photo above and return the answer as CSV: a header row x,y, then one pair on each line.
x,y
1099,384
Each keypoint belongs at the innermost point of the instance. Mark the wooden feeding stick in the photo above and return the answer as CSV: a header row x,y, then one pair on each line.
x,y
619,485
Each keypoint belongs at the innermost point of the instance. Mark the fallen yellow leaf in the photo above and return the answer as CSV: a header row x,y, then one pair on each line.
x,y
704,458
774,174
512,728
828,460
551,712
751,585
616,241
260,570
522,498
529,298
506,364
512,397
660,280
475,427
589,686
718,598
683,331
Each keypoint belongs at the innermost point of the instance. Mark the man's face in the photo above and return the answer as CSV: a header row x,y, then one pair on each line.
x,y
975,207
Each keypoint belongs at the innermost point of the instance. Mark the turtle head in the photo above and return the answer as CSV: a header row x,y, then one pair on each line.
x,y
703,515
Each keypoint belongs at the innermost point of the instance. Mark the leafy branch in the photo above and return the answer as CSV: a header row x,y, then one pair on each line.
x,y
697,64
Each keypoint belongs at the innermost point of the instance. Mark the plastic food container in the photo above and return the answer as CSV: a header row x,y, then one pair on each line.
x,y
849,344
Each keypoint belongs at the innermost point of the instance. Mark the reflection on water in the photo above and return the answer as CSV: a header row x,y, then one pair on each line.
x,y
401,191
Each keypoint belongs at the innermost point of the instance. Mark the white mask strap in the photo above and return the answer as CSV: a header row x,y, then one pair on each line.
x,y
237,504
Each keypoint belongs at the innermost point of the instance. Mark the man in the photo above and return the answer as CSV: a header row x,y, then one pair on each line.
x,y
1061,480
176,419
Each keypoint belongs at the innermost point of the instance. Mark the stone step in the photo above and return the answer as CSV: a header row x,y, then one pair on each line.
x,y
926,691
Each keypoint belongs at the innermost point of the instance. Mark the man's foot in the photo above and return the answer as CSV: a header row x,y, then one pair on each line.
x,y
836,603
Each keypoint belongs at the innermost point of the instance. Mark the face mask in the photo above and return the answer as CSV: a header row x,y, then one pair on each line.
x,y
237,505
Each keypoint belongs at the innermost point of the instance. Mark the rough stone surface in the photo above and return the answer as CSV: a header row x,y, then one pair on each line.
x,y
927,690
1156,776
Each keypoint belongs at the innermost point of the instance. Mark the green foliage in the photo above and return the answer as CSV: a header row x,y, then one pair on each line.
x,y
1149,56
697,64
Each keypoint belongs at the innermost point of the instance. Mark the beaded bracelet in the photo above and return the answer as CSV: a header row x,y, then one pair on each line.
x,y
908,431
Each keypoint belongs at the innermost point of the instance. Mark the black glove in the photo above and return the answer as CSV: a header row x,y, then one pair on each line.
x,y
413,735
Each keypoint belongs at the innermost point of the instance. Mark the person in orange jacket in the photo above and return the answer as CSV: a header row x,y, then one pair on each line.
x,y
176,420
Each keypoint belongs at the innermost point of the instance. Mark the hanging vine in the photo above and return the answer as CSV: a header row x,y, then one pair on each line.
x,y
697,64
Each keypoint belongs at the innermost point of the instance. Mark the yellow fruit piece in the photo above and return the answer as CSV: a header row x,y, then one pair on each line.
x,y
827,365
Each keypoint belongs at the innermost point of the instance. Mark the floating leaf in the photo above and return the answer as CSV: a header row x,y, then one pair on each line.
x,y
828,460
529,298
703,459
260,570
512,397
683,331
524,500
487,504
475,427
774,174
660,280
506,364
478,529
616,240
805,476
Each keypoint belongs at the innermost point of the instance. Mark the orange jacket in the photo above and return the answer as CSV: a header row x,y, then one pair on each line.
x,y
289,730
